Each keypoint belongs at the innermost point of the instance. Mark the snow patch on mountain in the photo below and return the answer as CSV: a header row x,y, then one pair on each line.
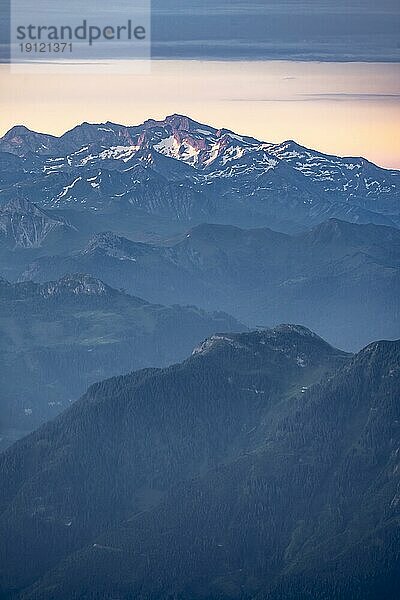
x,y
181,167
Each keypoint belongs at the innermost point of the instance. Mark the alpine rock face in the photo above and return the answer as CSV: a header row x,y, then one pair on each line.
x,y
189,172
23,224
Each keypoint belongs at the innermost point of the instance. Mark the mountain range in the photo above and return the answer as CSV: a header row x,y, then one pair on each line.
x,y
265,466
338,278
168,210
180,172
58,337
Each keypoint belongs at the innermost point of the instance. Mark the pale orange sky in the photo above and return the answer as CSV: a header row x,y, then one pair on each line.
x,y
341,108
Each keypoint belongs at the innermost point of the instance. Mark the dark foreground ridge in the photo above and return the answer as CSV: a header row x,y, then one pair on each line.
x,y
262,467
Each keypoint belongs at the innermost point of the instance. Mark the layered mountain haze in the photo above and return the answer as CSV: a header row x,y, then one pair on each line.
x,y
261,467
340,279
129,204
190,173
265,466
60,336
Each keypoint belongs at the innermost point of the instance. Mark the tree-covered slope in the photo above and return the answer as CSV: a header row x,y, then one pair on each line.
x,y
59,337
119,450
311,513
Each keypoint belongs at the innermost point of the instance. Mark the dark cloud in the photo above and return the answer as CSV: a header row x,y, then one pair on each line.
x,y
308,30
320,97
352,30
358,97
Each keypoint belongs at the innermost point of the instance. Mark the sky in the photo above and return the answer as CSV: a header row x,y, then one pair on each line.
x,y
324,73
329,30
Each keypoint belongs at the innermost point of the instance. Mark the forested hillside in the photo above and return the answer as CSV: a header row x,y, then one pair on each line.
x,y
265,466
59,337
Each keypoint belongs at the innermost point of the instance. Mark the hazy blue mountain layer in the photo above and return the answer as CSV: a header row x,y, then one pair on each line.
x,y
58,337
340,279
